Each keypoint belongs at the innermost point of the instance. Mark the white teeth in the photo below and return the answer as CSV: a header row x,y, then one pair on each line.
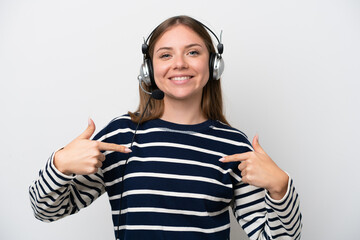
x,y
180,78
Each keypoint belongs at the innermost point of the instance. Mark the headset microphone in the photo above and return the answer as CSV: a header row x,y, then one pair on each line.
x,y
156,94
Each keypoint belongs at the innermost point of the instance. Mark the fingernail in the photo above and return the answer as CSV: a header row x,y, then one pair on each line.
x,y
222,159
89,120
128,150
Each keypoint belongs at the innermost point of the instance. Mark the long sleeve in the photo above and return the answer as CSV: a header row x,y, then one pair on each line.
x,y
55,195
265,218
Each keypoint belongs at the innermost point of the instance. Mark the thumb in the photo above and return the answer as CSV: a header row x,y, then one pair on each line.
x,y
256,145
89,131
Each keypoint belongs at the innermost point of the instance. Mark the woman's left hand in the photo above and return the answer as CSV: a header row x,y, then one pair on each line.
x,y
258,169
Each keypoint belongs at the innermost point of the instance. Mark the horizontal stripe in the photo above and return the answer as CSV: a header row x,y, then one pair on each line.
x,y
169,176
283,232
113,133
113,166
171,194
170,211
180,146
224,140
229,130
173,229
180,162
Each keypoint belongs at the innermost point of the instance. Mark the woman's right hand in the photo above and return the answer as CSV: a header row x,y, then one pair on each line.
x,y
83,156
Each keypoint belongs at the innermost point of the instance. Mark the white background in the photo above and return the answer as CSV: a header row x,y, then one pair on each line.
x,y
292,76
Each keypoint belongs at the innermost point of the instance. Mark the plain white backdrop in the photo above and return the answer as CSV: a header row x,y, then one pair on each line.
x,y
292,76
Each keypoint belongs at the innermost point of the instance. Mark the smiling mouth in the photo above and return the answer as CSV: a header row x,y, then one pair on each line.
x,y
182,78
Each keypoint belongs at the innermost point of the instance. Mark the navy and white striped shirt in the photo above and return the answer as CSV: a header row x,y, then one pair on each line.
x,y
174,185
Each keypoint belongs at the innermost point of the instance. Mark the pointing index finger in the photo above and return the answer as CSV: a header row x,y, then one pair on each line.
x,y
235,157
113,147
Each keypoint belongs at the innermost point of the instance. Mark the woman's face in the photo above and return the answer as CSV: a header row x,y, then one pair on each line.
x,y
181,63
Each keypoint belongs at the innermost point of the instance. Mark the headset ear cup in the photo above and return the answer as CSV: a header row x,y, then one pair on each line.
x,y
211,66
218,66
146,72
151,74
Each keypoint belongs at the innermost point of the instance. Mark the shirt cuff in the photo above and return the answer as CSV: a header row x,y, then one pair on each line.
x,y
284,198
58,176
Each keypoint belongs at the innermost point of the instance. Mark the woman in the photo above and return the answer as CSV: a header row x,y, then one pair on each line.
x,y
176,175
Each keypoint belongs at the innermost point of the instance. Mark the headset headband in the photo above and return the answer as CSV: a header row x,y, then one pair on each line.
x,y
220,46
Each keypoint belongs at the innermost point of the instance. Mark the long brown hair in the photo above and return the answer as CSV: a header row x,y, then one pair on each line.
x,y
211,102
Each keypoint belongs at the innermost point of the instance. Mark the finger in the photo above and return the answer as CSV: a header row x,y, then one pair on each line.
x,y
113,147
243,173
242,165
89,131
99,164
235,158
256,145
245,179
101,157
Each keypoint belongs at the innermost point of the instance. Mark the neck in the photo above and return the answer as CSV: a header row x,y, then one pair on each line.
x,y
182,112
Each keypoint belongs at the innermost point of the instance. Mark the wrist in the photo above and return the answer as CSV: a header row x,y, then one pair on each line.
x,y
279,188
57,160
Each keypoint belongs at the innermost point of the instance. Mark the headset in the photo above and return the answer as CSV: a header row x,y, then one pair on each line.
x,y
216,62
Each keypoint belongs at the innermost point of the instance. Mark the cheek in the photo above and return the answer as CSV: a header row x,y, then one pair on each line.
x,y
203,68
160,70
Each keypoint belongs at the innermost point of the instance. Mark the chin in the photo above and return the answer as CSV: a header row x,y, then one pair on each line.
x,y
183,96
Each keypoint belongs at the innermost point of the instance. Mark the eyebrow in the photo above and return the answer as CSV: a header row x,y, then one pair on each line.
x,y
187,46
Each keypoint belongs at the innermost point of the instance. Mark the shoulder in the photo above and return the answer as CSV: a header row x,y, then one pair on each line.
x,y
228,131
121,123
232,135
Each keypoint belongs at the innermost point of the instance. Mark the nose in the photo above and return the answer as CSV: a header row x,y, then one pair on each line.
x,y
180,62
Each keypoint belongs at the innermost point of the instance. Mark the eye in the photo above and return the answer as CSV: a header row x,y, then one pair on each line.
x,y
165,55
193,53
